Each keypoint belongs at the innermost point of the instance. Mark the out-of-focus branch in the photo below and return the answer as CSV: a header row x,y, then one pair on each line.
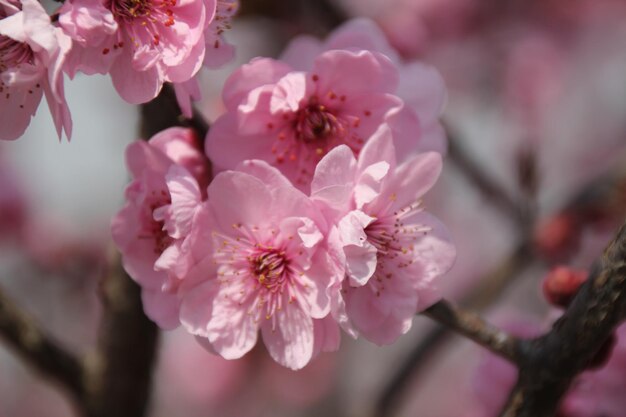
x,y
23,335
551,362
163,112
313,17
121,369
472,326
475,174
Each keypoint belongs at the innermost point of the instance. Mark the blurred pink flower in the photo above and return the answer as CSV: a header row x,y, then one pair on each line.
x,y
267,267
291,119
32,54
395,251
150,230
141,43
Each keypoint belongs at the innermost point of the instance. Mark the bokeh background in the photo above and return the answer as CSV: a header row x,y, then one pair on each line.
x,y
536,108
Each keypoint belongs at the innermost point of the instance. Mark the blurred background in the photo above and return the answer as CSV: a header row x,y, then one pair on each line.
x,y
535,177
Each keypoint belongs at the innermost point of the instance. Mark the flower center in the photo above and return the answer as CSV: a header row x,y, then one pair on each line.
x,y
315,122
147,11
269,266
14,53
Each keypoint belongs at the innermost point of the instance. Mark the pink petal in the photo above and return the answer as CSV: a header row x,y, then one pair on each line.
x,y
196,306
361,258
231,330
265,172
346,72
162,308
258,72
301,52
290,343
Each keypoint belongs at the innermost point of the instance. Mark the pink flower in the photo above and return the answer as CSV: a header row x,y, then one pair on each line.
x,y
420,86
220,52
32,53
291,119
267,268
152,228
395,251
141,43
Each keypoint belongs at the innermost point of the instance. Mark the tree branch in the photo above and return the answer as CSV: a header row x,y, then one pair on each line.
x,y
472,326
39,351
120,377
552,361
475,174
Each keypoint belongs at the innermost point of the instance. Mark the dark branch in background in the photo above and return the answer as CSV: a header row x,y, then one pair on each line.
x,y
39,351
475,174
551,362
315,17
120,382
121,370
163,112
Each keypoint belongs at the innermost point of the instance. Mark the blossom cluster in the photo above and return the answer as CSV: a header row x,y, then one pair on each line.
x,y
141,44
314,221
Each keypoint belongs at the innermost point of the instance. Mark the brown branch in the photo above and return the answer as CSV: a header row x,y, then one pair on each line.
x,y
120,377
163,112
551,362
472,326
23,335
121,369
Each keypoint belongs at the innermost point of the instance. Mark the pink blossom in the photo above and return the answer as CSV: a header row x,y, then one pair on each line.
x,y
291,119
420,86
32,54
152,228
141,43
267,268
219,51
395,251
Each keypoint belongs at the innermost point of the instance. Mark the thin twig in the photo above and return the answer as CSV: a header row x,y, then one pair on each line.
x,y
474,173
38,350
472,326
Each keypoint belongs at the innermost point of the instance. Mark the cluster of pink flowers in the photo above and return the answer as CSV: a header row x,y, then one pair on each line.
x,y
314,221
141,43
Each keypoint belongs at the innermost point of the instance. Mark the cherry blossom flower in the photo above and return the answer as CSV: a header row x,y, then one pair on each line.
x,y
32,54
218,52
150,230
291,119
395,251
268,265
141,43
420,86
